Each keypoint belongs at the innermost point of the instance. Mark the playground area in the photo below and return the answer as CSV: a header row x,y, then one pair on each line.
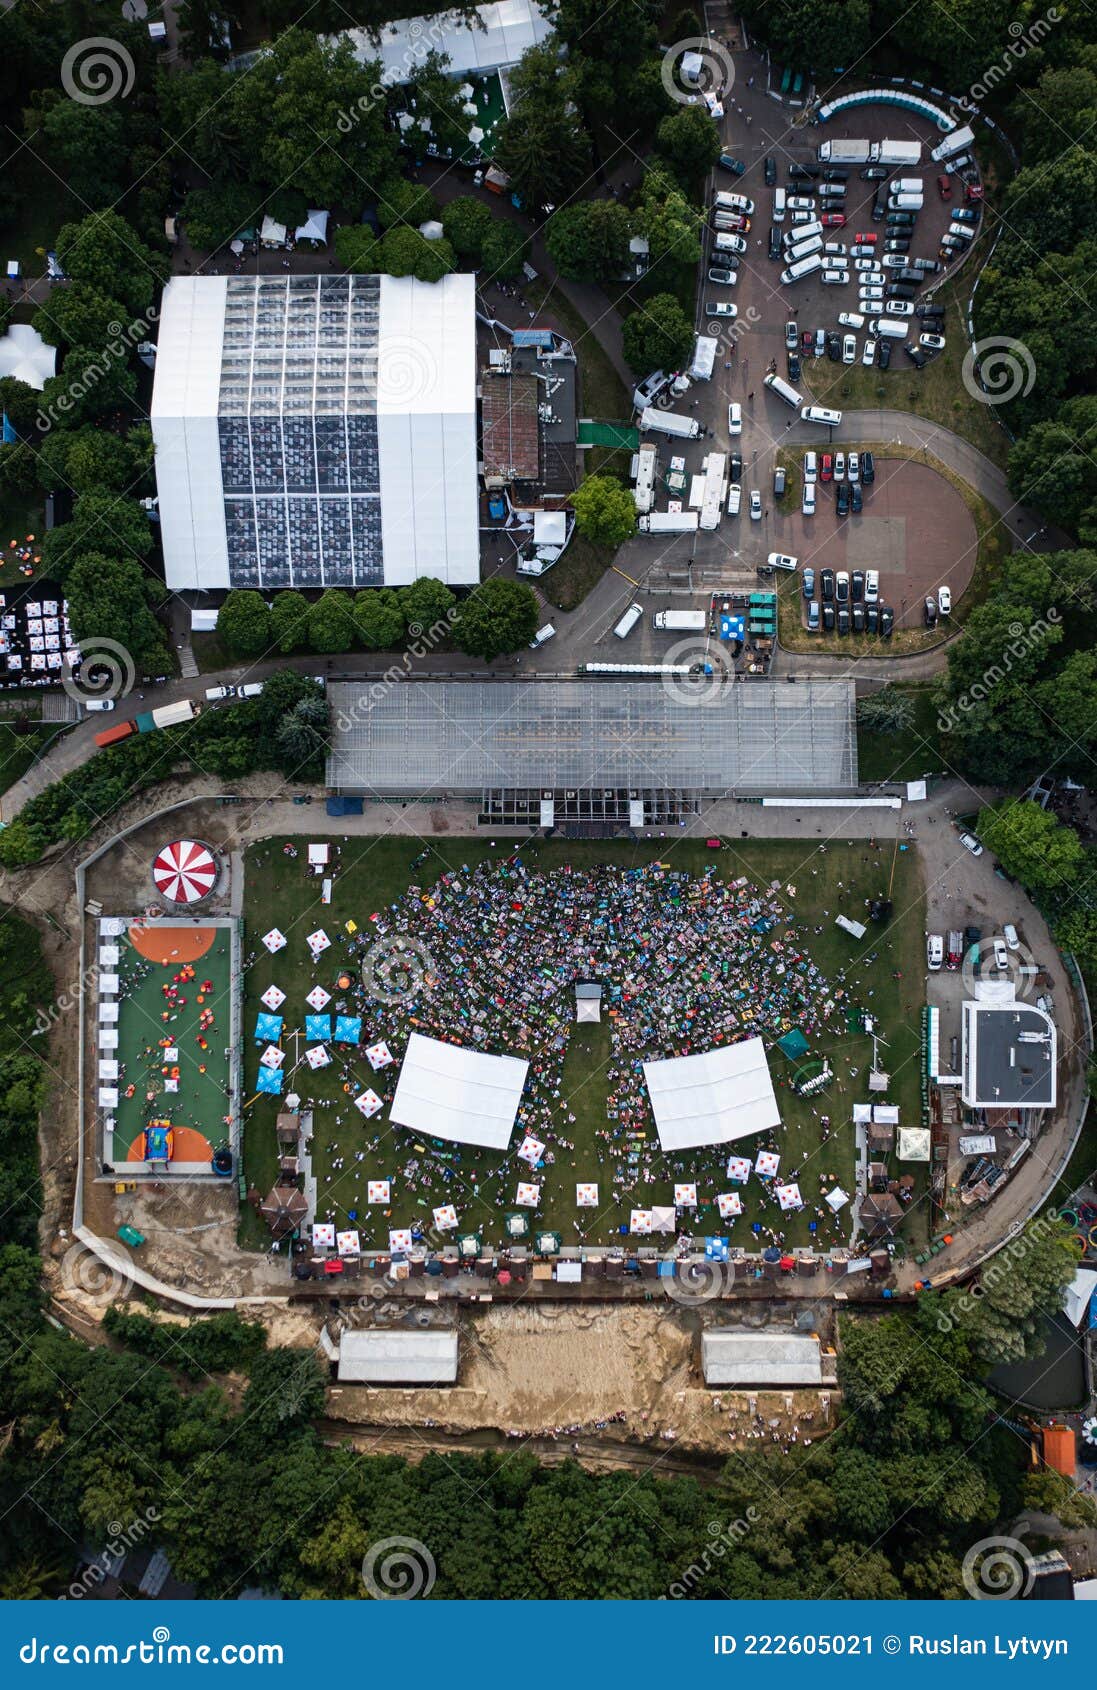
x,y
696,947
173,1033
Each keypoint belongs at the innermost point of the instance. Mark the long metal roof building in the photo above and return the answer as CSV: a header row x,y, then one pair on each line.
x,y
398,1358
438,737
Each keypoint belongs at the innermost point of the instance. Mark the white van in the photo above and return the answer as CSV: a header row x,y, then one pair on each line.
x,y
811,469
628,621
832,191
804,249
723,201
729,243
905,202
935,952
907,185
821,414
97,704
802,232
541,636
803,267
778,205
890,329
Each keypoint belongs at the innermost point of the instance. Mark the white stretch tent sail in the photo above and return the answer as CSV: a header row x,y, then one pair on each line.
x,y
459,1094
712,1098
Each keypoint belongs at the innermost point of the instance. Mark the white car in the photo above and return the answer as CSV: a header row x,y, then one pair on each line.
x,y
731,243
863,264
722,309
839,466
834,249
935,952
898,308
868,355
800,202
872,586
755,505
1001,957
99,704
835,278
792,335
735,498
807,508
737,202
871,296
811,469
853,467
895,260
735,419
850,320
782,560
970,843
1009,934
944,601
251,689
932,342
849,349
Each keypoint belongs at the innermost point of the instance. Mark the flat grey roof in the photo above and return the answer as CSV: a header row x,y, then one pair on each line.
x,y
398,1358
1001,1067
739,1359
468,736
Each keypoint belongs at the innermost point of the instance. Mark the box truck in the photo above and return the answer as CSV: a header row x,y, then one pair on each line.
x,y
647,460
960,141
897,152
173,715
669,422
680,621
669,522
845,152
111,736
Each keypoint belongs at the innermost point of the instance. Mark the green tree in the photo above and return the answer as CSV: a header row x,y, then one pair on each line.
x,y
103,252
379,618
402,204
216,214
244,623
406,252
659,336
358,249
503,252
674,227
427,604
1004,1317
1033,845
88,147
289,617
1053,468
331,622
78,315
690,142
588,241
605,512
101,523
543,145
109,600
466,221
301,740
498,616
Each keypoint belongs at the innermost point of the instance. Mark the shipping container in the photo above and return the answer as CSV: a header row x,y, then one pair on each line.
x,y
145,723
111,736
172,715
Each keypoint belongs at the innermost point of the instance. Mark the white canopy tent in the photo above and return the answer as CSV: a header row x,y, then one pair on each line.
x,y
712,1098
25,356
459,1094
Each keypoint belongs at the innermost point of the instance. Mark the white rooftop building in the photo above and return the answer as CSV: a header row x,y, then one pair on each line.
x,y
316,431
734,1360
501,34
380,1357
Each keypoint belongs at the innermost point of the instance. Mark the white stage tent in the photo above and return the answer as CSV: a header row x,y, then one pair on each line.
x,y
712,1098
452,1092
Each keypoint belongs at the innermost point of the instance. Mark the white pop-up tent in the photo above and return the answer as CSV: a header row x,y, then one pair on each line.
x,y
712,1098
459,1094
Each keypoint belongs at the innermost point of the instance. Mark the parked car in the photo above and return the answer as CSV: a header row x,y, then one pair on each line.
x,y
944,600
853,467
735,418
1001,956
841,586
833,220
731,243
973,192
734,166
834,249
811,469
916,356
850,320
883,357
872,586
868,353
864,266
849,349
925,266
807,341
813,618
841,498
735,499
735,466
834,347
808,583
250,689
826,585
800,202
926,310
944,187
827,467
720,309
857,586
835,278
896,246
872,619
836,173
901,219
875,173
899,308
780,481
932,342
820,343
794,366
868,468
887,621
870,296
843,619
1009,933
723,278
755,505
935,952
774,241
868,237
802,172
828,619
857,617
770,171
807,506
856,499
929,611
965,215
839,466
792,335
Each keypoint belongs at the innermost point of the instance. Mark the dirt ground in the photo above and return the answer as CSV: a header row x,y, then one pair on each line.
x,y
551,1373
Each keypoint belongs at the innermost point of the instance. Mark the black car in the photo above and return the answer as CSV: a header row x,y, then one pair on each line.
x,y
899,290
972,935
858,618
802,172
901,219
875,173
883,354
834,347
771,172
929,611
910,277
837,174
857,586
856,499
935,311
828,619
736,466
868,468
901,245
916,356
872,619
774,241
887,621
841,495
826,584
843,620
879,207
793,366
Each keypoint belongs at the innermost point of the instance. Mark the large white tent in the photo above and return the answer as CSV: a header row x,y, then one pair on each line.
x,y
712,1098
463,1095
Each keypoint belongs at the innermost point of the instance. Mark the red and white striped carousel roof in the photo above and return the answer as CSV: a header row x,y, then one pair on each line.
x,y
185,871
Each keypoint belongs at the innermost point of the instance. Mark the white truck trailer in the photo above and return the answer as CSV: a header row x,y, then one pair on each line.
x,y
669,522
897,152
653,421
845,152
680,621
715,489
960,141
646,466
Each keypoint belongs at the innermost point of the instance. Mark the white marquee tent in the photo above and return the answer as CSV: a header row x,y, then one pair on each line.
x,y
459,1094
712,1098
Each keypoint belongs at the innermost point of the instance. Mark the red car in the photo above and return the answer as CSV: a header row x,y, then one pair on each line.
x,y
833,220
826,467
973,192
944,187
866,240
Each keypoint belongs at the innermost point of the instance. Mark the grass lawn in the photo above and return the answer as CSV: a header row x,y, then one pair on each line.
x,y
907,755
937,392
20,515
581,568
372,873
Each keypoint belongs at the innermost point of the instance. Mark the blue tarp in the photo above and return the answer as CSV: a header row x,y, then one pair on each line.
x,y
716,1249
270,1080
317,1029
348,1029
666,1270
268,1028
732,628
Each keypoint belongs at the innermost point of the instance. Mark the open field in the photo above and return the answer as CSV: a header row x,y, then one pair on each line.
x,y
882,974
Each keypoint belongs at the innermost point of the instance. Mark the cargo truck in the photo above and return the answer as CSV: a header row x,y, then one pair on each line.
x,y
173,715
669,422
669,522
112,735
897,152
145,723
680,621
845,152
960,141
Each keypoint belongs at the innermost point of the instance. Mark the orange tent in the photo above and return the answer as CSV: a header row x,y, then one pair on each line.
x,y
1059,1449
